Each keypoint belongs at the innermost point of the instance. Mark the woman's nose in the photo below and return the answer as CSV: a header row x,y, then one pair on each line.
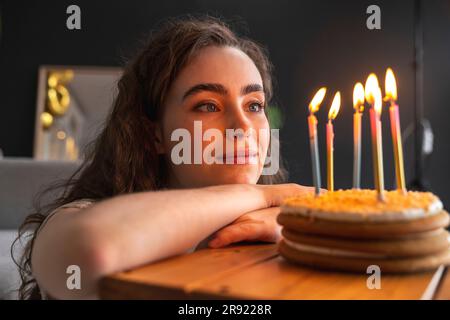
x,y
238,118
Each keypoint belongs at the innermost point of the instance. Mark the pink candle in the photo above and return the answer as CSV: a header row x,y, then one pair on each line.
x,y
334,109
394,116
330,161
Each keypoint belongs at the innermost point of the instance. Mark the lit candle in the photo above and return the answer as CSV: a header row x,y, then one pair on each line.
x,y
334,109
373,97
394,116
358,105
312,124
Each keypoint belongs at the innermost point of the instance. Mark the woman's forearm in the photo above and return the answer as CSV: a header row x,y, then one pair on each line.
x,y
149,226
129,230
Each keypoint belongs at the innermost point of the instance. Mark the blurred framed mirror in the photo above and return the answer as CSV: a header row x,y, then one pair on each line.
x,y
72,105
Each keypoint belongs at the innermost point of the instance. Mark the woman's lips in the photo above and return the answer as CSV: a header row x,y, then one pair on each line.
x,y
240,157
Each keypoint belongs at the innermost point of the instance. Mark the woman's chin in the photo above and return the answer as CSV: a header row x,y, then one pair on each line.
x,y
219,175
250,176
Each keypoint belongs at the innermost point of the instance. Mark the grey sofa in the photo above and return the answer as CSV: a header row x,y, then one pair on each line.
x,y
20,181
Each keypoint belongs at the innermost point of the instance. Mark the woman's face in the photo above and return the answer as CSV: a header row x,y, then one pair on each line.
x,y
219,89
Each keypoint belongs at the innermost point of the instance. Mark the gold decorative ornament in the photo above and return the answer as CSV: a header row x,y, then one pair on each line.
x,y
46,120
58,97
58,100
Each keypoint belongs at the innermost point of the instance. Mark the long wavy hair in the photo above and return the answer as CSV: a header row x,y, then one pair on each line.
x,y
123,158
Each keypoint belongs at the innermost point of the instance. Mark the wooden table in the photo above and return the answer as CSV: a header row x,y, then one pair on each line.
x,y
258,272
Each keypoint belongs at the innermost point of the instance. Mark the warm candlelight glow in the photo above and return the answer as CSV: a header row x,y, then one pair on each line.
x,y
378,101
358,97
390,86
317,100
335,105
371,87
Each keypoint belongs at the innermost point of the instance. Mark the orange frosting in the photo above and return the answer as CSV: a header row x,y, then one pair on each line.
x,y
364,202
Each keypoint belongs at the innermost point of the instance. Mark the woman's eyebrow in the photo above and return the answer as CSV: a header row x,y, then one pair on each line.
x,y
213,87
220,89
254,87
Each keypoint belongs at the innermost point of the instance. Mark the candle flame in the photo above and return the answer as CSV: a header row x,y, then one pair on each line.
x,y
317,100
335,105
390,86
378,101
371,87
358,97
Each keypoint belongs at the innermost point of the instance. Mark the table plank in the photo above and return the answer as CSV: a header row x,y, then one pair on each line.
x,y
180,275
279,279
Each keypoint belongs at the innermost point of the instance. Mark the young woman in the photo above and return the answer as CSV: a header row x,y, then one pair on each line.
x,y
129,204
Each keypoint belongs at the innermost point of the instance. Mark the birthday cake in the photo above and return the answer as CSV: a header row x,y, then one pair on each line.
x,y
350,230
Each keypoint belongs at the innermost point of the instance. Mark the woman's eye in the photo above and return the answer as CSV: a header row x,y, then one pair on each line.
x,y
207,107
255,107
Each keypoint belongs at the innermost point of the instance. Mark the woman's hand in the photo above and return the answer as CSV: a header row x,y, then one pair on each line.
x,y
276,193
259,225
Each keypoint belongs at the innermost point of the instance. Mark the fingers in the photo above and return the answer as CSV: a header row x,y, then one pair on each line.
x,y
250,231
236,233
275,194
258,225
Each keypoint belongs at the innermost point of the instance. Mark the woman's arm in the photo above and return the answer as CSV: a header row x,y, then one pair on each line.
x,y
130,230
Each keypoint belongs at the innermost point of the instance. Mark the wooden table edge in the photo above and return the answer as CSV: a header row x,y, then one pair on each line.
x,y
109,286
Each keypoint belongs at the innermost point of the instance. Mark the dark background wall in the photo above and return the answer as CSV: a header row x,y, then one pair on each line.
x,y
311,44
